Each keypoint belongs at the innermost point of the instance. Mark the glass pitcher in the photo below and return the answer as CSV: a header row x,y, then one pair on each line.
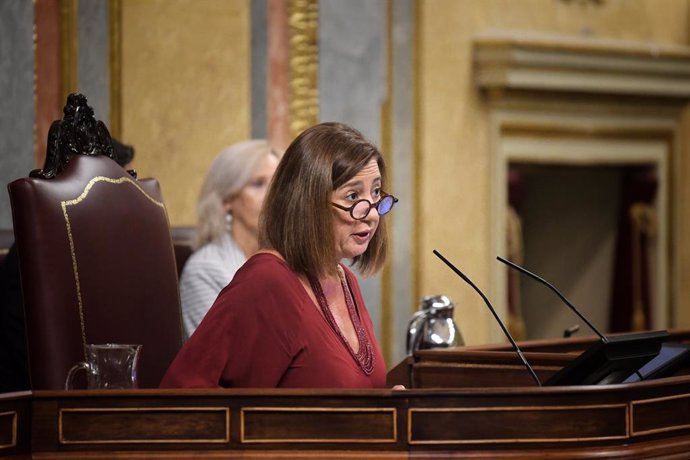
x,y
108,366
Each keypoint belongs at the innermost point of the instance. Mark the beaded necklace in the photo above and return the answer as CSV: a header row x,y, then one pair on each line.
x,y
365,355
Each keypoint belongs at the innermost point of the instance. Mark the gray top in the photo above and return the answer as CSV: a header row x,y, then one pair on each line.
x,y
207,271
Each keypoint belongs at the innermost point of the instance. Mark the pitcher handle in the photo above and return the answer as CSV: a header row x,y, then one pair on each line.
x,y
414,331
73,370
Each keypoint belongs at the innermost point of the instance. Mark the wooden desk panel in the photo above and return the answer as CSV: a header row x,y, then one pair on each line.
x,y
15,424
643,420
496,365
123,425
208,420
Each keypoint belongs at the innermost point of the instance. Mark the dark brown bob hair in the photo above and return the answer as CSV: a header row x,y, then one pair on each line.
x,y
297,216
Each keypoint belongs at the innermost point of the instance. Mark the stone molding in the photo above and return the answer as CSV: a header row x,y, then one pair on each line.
x,y
521,61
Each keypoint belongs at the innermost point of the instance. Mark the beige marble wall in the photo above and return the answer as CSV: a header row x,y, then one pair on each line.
x,y
185,90
452,126
682,249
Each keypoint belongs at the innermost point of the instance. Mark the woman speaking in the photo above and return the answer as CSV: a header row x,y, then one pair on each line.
x,y
293,315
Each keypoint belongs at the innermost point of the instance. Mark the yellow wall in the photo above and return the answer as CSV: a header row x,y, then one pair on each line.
x,y
185,90
453,138
682,249
186,94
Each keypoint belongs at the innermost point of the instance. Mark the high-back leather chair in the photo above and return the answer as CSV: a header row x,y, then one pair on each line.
x,y
183,242
95,256
6,242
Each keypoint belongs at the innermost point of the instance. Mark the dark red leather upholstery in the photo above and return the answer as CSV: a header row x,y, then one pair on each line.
x,y
97,266
6,241
183,242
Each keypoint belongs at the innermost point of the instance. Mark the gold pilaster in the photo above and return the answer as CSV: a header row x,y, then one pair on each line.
x,y
34,86
386,149
304,64
417,230
69,48
115,63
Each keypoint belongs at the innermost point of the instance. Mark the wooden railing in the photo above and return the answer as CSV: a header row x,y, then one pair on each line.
x,y
485,420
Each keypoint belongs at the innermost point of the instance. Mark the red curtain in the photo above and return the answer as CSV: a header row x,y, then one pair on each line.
x,y
631,307
515,249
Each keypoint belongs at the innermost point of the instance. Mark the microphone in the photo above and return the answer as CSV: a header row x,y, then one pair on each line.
x,y
571,330
493,311
558,293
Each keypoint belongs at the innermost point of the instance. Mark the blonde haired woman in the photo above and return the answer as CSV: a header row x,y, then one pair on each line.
x,y
227,227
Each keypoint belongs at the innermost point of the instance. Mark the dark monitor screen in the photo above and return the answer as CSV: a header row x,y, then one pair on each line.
x,y
610,362
671,357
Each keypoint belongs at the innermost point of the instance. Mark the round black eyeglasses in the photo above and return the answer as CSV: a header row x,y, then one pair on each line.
x,y
360,209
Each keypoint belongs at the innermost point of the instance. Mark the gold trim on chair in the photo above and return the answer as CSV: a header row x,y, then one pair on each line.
x,y
79,199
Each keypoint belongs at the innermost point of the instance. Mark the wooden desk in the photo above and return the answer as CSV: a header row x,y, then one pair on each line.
x,y
496,365
643,420
619,421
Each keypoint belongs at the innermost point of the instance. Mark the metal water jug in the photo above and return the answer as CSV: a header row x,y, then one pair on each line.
x,y
433,326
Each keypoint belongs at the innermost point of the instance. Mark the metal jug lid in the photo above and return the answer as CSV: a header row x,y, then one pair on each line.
x,y
436,303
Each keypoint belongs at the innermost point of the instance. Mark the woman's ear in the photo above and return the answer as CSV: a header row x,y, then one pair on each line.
x,y
227,205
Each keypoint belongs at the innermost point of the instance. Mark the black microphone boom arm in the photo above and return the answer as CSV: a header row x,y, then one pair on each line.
x,y
558,293
493,311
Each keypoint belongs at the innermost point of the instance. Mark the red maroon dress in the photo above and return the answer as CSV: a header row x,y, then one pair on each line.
x,y
265,331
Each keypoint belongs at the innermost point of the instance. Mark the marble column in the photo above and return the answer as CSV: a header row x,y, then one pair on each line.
x,y
17,123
